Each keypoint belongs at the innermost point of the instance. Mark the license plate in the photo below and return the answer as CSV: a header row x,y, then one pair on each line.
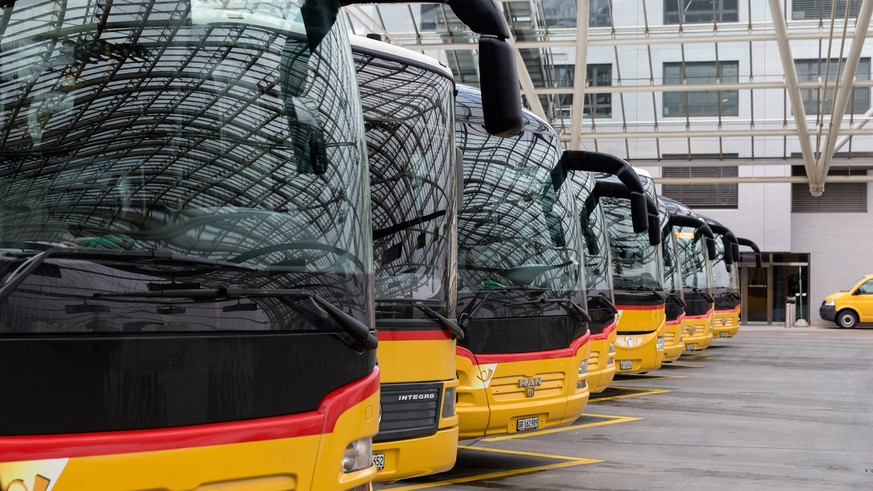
x,y
625,365
722,334
379,461
689,347
527,424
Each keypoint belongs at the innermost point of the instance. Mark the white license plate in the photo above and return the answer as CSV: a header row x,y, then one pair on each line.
x,y
689,347
527,424
625,365
722,334
379,461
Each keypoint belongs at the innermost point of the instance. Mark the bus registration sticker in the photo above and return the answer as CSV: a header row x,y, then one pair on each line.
x,y
379,461
527,424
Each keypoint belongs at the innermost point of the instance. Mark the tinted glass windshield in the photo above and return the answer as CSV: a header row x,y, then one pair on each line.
x,y
721,277
598,275
515,230
692,253
636,263
409,115
224,132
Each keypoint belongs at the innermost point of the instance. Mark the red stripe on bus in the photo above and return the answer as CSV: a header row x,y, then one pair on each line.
x,y
528,356
323,420
401,335
640,307
679,320
605,333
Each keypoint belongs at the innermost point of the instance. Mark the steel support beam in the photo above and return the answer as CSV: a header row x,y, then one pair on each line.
x,y
797,108
723,133
527,85
580,74
842,96
757,180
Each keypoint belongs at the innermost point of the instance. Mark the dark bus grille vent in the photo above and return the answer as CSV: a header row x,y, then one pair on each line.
x,y
409,410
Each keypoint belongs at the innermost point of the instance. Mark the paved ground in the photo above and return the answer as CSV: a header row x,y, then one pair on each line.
x,y
772,408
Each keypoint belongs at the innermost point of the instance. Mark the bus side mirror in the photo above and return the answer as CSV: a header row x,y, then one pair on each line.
x,y
654,230
498,81
711,251
639,212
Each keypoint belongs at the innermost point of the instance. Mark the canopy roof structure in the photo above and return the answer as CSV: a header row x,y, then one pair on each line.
x,y
701,80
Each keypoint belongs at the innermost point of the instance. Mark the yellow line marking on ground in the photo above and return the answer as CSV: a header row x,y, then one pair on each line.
x,y
695,354
526,454
631,377
570,462
613,420
622,396
497,475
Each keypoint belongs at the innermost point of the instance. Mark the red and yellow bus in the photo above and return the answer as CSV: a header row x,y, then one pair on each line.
x,y
598,257
522,364
638,276
694,250
185,249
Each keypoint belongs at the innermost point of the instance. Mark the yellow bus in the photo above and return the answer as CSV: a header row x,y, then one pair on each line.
x,y
638,277
695,249
522,364
189,253
726,283
186,249
598,257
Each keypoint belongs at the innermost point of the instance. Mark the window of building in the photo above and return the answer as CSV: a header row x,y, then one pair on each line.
x,y
599,75
562,13
702,195
703,103
700,11
814,70
821,9
838,197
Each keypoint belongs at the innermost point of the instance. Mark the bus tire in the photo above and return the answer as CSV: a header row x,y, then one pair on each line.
x,y
847,319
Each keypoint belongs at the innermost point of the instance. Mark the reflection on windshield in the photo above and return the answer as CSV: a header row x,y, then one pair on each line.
x,y
692,252
515,229
409,112
635,262
721,277
205,130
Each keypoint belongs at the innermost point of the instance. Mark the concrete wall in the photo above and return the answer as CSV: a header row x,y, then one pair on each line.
x,y
840,248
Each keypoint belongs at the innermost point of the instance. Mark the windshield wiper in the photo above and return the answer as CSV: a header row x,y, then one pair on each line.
x,y
648,289
444,322
355,328
678,299
709,298
604,298
157,255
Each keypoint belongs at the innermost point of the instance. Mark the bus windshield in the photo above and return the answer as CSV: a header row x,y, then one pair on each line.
x,y
409,117
692,253
721,277
515,230
636,263
193,147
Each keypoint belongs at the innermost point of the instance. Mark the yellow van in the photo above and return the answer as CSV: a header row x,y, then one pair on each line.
x,y
850,306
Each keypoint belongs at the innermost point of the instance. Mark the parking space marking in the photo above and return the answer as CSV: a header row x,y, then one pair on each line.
x,y
608,420
568,462
635,376
635,392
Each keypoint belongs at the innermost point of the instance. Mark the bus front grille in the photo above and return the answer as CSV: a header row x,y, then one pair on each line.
x,y
409,410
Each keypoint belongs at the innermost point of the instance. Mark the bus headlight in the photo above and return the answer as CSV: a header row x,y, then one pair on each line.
x,y
826,303
358,455
448,403
612,348
659,344
583,367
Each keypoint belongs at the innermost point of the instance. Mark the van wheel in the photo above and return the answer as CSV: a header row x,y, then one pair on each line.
x,y
847,319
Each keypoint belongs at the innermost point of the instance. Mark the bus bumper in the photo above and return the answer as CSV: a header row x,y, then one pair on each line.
x,y
726,324
417,456
638,352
